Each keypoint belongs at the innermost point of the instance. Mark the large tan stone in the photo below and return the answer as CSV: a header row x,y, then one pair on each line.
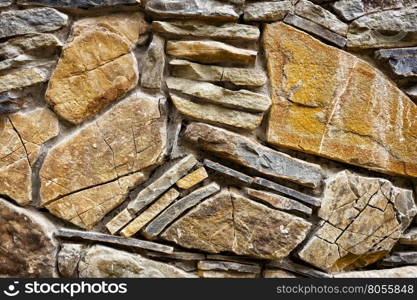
x,y
330,103
125,140
96,66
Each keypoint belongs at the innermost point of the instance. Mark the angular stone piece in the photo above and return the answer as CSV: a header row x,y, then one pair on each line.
x,y
195,28
28,248
201,9
111,239
163,183
320,16
399,258
185,256
211,265
120,220
316,29
97,66
279,201
105,262
224,274
253,155
154,64
237,76
171,213
230,222
217,114
291,266
21,139
402,272
149,214
384,29
267,11
211,52
364,218
228,172
402,61
68,259
35,20
78,3
339,108
192,179
409,237
126,139
241,99
276,273
22,78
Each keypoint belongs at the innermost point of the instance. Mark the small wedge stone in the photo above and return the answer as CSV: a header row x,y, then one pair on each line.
x,y
192,179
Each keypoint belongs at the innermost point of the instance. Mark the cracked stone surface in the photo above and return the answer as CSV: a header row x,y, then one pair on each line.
x,y
332,104
363,218
81,84
106,155
21,139
233,223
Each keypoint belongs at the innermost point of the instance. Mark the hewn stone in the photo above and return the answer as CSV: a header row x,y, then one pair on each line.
x,y
237,76
363,220
211,113
148,215
241,99
402,61
402,272
253,155
21,139
35,20
192,179
28,248
68,259
104,157
153,64
392,28
175,210
78,3
279,202
267,11
105,262
409,237
211,265
211,52
82,84
226,171
111,239
276,273
230,222
23,78
330,103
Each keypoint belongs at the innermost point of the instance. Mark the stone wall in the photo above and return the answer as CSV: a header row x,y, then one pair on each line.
x,y
217,138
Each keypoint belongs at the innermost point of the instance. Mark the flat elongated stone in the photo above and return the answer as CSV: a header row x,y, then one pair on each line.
x,y
291,266
412,92
409,237
35,20
316,29
211,52
149,214
78,3
82,84
276,273
399,258
384,29
279,201
241,99
120,220
177,255
210,265
111,239
230,222
105,262
228,172
217,114
343,108
267,11
175,210
195,28
192,179
154,64
364,218
237,76
402,272
402,61
22,78
248,153
224,274
5,3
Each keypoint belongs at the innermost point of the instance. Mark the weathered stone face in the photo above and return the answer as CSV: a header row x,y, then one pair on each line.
x,y
336,105
82,84
28,248
363,219
230,222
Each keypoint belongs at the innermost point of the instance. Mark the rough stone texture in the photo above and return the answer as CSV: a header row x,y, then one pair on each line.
x,y
21,139
303,270
82,84
224,274
178,255
403,272
120,220
210,265
201,29
363,219
68,259
154,64
5,3
28,248
78,3
402,61
35,20
267,11
248,153
330,103
412,92
226,171
105,155
105,262
392,28
22,78
399,258
409,237
192,179
237,76
211,52
271,273
230,222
